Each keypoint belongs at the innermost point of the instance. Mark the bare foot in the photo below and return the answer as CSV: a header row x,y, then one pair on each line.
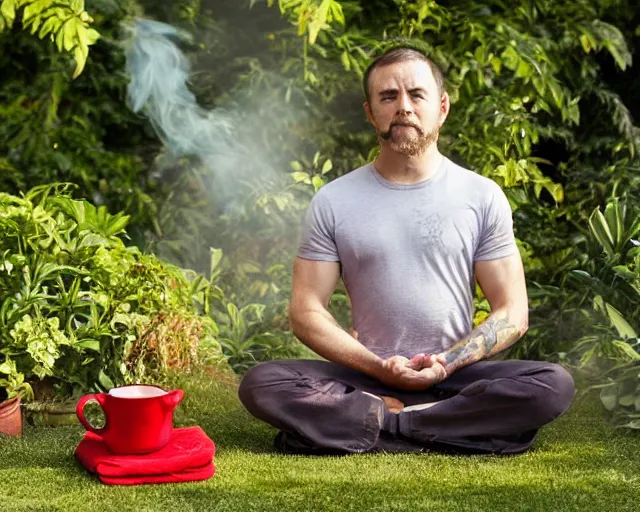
x,y
393,404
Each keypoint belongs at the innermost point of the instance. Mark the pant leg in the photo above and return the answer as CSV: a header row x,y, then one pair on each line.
x,y
317,403
494,406
487,407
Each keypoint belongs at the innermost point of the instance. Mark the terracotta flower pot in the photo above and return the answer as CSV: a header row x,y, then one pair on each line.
x,y
11,417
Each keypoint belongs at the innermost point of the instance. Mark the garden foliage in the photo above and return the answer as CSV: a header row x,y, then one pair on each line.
x,y
81,310
544,97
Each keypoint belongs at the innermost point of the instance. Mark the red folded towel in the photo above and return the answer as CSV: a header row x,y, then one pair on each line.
x,y
187,457
187,475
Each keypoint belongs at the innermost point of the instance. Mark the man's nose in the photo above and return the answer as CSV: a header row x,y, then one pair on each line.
x,y
404,105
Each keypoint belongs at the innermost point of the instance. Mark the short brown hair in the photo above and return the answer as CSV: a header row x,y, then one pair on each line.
x,y
402,54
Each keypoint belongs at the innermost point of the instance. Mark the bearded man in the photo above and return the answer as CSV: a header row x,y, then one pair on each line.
x,y
409,234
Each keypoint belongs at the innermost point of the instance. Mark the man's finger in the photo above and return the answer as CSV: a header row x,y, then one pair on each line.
x,y
441,358
416,362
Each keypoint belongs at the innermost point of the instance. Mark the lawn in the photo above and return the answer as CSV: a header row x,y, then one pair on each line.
x,y
578,463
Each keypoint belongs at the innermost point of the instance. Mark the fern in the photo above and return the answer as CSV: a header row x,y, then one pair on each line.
x,y
621,116
605,35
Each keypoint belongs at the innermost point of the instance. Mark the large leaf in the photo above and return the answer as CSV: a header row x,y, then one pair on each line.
x,y
609,397
622,326
602,232
614,215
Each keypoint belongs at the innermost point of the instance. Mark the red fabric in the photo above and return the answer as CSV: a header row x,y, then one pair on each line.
x,y
187,475
187,457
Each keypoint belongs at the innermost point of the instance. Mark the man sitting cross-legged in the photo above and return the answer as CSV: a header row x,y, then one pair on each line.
x,y
409,233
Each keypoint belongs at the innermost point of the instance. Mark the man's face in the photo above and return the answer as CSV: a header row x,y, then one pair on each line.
x,y
405,106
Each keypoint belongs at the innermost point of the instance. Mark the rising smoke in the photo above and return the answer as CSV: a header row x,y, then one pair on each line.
x,y
227,142
159,74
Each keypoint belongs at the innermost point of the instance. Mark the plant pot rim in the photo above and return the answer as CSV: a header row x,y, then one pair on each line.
x,y
9,406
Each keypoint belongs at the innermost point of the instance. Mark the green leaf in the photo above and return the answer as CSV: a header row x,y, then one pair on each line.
x,y
556,91
8,12
627,350
299,177
88,344
496,64
69,30
620,323
249,268
626,400
344,58
92,36
625,273
601,232
80,57
105,381
328,165
31,11
50,25
584,40
622,57
609,397
77,6
7,368
614,216
574,114
510,58
635,424
216,258
120,319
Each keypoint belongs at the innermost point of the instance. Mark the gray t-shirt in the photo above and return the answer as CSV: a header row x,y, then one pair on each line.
x,y
407,252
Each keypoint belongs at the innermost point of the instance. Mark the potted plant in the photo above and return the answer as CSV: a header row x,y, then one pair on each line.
x,y
82,312
10,415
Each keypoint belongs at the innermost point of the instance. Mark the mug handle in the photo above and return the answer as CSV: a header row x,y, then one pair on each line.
x,y
174,397
98,397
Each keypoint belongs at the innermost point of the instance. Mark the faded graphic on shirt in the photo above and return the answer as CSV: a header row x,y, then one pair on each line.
x,y
431,228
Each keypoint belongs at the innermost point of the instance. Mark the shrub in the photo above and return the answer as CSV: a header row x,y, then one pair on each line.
x,y
81,310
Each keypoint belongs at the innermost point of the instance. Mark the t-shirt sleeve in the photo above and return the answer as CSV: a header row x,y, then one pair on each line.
x,y
317,241
497,239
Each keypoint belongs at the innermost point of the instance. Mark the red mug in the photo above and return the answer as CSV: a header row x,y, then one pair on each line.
x,y
139,418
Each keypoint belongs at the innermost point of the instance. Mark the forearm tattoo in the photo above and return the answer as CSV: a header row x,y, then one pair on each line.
x,y
492,336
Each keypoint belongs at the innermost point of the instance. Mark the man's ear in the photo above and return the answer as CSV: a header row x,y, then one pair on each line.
x,y
445,107
367,109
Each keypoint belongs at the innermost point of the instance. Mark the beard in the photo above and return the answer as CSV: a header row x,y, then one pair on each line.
x,y
412,142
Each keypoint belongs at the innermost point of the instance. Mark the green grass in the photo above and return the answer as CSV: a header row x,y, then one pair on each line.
x,y
578,463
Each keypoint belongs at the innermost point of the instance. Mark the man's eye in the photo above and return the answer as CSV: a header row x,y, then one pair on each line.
x,y
417,95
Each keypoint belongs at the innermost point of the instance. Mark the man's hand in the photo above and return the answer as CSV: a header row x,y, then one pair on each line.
x,y
410,374
431,364
415,374
421,361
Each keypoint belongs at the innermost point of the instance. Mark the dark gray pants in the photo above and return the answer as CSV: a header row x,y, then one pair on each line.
x,y
487,407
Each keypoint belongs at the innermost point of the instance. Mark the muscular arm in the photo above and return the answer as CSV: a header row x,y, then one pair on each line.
x,y
313,284
503,284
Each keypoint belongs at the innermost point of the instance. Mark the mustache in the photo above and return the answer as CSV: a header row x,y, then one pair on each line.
x,y
405,123
387,135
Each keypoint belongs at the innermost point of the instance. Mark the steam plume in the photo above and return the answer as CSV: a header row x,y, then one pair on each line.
x,y
159,73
